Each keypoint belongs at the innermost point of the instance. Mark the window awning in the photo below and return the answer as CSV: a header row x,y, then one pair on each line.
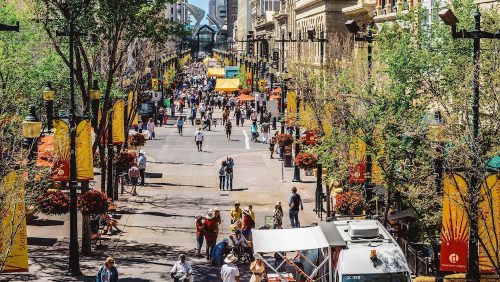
x,y
287,240
216,72
245,97
227,84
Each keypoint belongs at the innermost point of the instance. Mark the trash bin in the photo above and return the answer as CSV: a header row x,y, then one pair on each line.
x,y
288,160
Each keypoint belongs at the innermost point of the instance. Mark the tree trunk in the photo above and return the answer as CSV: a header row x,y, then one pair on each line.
x,y
102,160
86,232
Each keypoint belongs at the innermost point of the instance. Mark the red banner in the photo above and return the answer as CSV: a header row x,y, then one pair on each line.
x,y
455,227
357,173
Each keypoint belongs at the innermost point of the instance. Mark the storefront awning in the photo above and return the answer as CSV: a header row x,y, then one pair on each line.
x,y
287,240
232,84
245,97
216,72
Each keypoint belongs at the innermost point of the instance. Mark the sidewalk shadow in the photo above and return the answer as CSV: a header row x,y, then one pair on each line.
x,y
45,222
37,241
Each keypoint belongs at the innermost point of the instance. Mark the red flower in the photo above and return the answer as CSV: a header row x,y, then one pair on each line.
x,y
284,139
306,160
350,203
136,140
93,202
53,203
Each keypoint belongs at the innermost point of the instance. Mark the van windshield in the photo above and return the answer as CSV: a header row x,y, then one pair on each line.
x,y
386,277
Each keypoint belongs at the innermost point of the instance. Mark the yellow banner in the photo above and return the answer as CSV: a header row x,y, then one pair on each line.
x,y
13,225
489,223
131,105
84,158
291,106
455,225
118,122
61,150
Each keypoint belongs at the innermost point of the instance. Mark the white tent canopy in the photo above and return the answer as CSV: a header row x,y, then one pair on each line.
x,y
287,240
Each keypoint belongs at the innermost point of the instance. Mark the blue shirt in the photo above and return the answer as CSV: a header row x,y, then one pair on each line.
x,y
253,128
180,122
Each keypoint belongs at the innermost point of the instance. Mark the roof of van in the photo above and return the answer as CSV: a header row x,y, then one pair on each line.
x,y
355,255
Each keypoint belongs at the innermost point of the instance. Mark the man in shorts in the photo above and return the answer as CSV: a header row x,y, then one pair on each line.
x,y
229,127
198,138
133,175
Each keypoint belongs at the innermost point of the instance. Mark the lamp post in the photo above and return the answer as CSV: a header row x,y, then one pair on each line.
x,y
48,100
296,168
476,35
95,96
32,127
367,37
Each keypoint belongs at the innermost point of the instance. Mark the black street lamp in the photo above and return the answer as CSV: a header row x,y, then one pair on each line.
x,y
48,100
296,168
32,127
367,37
476,35
95,96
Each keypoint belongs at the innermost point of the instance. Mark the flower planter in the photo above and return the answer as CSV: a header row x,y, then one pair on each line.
x,y
309,171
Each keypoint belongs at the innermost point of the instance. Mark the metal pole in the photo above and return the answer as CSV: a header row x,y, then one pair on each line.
x,y
296,168
319,187
473,262
368,173
74,260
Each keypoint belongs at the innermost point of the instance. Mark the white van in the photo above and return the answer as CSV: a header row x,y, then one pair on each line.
x,y
363,250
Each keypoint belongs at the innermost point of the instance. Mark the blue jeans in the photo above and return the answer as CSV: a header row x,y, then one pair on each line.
x,y
229,181
294,219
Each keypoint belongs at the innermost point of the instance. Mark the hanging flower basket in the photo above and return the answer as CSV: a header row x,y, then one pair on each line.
x,y
53,203
306,161
284,139
124,161
350,203
93,202
137,140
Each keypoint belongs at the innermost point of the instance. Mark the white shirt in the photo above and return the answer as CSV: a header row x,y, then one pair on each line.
x,y
198,136
182,267
229,272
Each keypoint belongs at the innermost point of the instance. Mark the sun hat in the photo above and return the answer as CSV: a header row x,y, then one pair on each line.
x,y
210,215
247,211
142,152
215,209
200,216
278,203
236,203
230,258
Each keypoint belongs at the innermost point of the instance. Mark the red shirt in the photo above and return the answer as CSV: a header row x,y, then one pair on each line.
x,y
199,227
246,222
209,229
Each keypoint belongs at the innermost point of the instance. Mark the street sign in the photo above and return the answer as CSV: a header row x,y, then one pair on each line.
x,y
155,96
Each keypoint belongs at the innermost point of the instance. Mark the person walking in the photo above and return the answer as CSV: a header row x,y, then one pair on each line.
x,y
142,160
209,232
199,234
278,216
207,122
236,212
222,176
258,270
107,272
182,270
140,126
161,115
272,144
265,128
254,129
237,115
133,174
218,221
151,128
254,116
294,201
203,111
192,117
243,115
229,127
230,272
229,173
198,138
180,124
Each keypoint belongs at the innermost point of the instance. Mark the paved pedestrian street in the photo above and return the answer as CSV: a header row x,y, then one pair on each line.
x,y
159,224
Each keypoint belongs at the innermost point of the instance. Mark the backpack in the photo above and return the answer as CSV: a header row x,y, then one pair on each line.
x,y
252,222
